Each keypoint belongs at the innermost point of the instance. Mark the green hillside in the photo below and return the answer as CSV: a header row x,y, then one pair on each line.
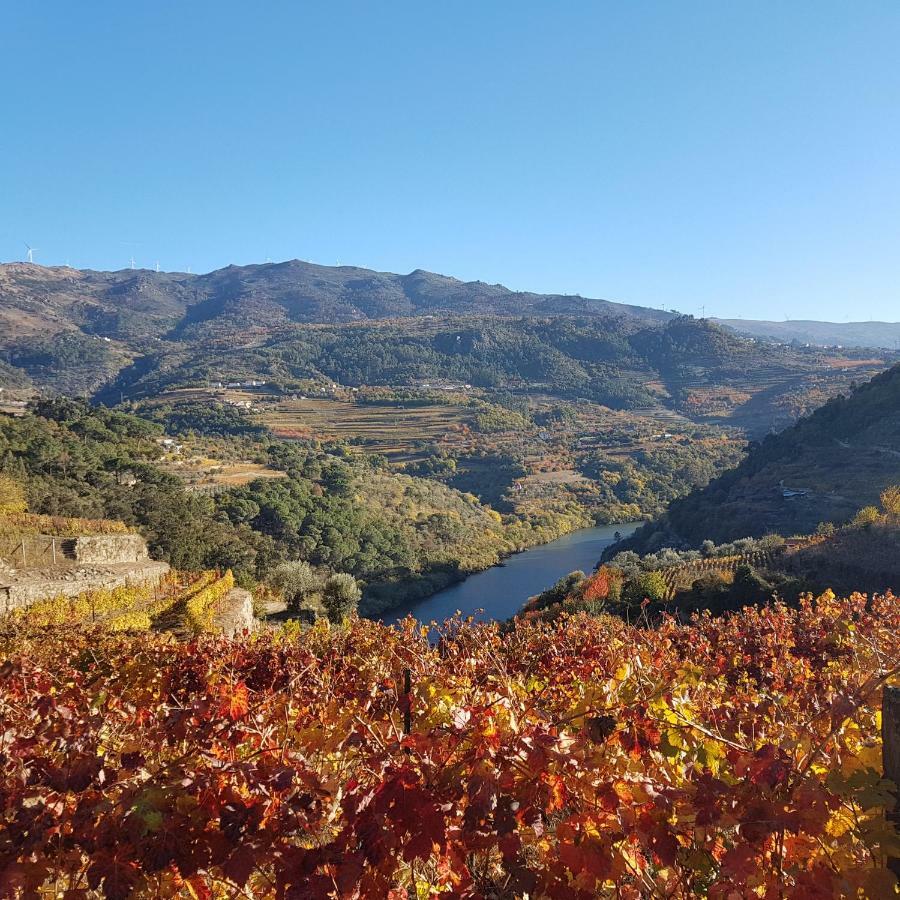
x,y
823,469
134,333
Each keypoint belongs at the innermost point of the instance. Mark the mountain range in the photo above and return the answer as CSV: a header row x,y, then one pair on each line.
x,y
134,333
136,303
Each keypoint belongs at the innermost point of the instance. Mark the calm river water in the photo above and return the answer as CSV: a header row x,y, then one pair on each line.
x,y
499,592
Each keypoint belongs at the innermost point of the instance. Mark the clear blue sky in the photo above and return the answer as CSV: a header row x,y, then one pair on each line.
x,y
744,157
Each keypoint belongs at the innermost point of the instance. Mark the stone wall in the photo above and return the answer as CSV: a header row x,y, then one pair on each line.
x,y
23,552
25,590
235,613
113,548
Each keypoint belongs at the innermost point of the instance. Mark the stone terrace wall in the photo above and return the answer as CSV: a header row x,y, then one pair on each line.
x,y
106,549
37,551
24,591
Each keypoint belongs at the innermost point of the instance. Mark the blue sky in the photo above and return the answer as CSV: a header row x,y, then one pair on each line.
x,y
742,157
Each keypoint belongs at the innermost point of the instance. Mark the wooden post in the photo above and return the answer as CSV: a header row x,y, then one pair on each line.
x,y
24,558
407,706
890,733
53,549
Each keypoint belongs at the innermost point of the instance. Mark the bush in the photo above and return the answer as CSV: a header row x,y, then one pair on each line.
x,y
559,591
890,502
646,586
340,597
868,515
749,585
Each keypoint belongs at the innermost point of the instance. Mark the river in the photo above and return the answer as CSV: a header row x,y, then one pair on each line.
x,y
499,592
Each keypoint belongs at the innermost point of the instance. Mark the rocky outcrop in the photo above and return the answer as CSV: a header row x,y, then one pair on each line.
x,y
235,613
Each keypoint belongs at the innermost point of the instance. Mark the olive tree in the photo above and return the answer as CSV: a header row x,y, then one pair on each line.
x,y
340,597
296,580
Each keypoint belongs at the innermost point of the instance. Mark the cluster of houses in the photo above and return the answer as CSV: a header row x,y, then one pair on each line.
x,y
236,385
443,386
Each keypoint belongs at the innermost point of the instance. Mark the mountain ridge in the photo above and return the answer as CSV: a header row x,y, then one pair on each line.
x,y
290,291
877,335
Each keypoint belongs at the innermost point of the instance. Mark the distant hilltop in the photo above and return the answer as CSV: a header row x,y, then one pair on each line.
x,y
41,297
878,335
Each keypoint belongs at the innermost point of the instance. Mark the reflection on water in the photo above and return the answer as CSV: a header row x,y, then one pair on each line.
x,y
499,593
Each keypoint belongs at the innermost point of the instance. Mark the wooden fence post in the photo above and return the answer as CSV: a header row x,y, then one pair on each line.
x,y
24,558
890,732
407,709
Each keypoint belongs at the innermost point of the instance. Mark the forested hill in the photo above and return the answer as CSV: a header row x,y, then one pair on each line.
x,y
823,469
131,305
133,333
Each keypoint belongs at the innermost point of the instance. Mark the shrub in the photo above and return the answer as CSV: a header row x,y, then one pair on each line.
x,y
868,515
646,586
890,502
559,591
749,585
340,597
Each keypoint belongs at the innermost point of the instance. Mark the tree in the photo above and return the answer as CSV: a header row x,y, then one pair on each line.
x,y
12,496
890,502
647,586
340,597
296,580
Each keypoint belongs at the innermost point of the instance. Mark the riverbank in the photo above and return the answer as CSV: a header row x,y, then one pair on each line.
x,y
519,534
500,591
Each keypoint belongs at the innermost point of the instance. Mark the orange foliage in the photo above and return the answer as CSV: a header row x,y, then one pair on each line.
x,y
584,758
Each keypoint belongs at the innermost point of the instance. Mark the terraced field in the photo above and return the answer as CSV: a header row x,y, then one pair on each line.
x,y
391,430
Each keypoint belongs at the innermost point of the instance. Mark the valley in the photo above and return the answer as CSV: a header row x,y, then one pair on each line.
x,y
295,469
512,418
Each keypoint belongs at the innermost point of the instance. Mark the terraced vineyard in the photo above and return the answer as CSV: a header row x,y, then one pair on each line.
x,y
182,602
678,577
385,429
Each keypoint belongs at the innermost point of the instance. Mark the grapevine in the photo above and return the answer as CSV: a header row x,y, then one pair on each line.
x,y
732,757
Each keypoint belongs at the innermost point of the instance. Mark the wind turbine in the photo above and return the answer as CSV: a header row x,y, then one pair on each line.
x,y
30,251
132,262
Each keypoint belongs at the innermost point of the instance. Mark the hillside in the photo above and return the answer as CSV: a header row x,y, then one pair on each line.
x,y
136,305
133,333
823,469
879,335
398,534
